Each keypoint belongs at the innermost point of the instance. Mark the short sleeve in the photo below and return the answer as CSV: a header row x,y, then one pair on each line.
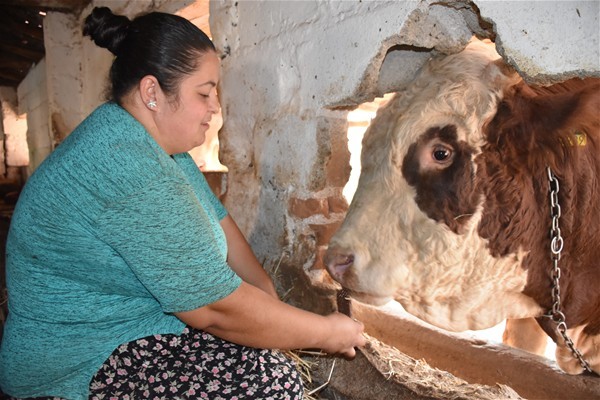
x,y
199,183
171,243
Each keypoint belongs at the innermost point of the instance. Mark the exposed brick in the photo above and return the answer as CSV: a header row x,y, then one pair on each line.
x,y
337,204
320,254
304,208
324,232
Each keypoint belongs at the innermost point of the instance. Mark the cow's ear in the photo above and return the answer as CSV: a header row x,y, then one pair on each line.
x,y
500,76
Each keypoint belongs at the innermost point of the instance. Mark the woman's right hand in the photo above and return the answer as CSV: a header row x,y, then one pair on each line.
x,y
346,335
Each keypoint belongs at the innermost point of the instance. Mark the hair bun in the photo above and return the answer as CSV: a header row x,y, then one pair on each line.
x,y
106,29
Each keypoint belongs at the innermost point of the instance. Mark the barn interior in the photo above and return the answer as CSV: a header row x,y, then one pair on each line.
x,y
300,83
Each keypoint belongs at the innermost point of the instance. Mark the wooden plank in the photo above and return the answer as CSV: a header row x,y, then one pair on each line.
x,y
473,360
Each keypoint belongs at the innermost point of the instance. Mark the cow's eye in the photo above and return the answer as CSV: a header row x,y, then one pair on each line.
x,y
442,154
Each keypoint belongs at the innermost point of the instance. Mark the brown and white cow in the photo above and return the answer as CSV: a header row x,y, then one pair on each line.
x,y
452,215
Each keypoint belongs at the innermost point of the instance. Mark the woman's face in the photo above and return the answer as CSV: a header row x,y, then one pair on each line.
x,y
182,122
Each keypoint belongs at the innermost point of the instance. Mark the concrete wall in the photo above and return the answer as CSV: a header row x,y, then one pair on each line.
x,y
33,102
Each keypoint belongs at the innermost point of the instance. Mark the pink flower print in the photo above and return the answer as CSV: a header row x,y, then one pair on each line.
x,y
228,375
121,372
287,385
160,389
213,386
184,378
151,379
109,381
214,370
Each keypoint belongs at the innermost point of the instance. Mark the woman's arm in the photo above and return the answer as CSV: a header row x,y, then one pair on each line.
x,y
242,260
250,317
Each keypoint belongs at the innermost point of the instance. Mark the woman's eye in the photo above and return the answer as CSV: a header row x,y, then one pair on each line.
x,y
441,154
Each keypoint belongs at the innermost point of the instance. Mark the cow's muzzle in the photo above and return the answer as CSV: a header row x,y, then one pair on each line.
x,y
338,263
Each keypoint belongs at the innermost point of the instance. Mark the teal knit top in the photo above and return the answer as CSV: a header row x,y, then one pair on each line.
x,y
109,238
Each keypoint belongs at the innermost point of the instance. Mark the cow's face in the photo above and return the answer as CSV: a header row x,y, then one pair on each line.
x,y
411,231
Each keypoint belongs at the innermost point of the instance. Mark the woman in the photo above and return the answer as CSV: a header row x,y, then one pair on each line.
x,y
126,276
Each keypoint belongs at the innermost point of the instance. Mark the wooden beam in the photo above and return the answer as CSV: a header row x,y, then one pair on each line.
x,y
63,5
473,360
23,52
9,78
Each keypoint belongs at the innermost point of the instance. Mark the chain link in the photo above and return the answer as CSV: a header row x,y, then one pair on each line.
x,y
556,247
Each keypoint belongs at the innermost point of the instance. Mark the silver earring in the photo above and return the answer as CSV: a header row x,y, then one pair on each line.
x,y
152,104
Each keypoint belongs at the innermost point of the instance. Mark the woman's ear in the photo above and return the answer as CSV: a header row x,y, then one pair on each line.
x,y
148,90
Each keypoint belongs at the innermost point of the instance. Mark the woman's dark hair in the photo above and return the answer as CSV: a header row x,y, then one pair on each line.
x,y
164,45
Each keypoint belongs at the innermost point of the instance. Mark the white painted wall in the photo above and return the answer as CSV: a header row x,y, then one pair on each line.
x,y
14,132
33,103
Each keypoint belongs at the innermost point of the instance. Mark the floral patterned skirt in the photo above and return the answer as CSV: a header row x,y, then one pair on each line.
x,y
194,365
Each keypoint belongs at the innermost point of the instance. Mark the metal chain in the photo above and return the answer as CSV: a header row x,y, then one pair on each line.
x,y
556,246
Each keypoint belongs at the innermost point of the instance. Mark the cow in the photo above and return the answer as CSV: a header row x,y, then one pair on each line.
x,y
479,201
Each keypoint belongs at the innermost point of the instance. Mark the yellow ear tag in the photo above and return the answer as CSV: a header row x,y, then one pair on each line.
x,y
578,138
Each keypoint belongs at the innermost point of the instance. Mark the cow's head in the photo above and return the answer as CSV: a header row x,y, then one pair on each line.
x,y
411,231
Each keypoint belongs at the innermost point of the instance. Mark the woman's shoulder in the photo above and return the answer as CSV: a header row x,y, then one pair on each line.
x,y
110,152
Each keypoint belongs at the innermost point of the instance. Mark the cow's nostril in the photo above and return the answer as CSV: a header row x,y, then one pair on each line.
x,y
339,264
